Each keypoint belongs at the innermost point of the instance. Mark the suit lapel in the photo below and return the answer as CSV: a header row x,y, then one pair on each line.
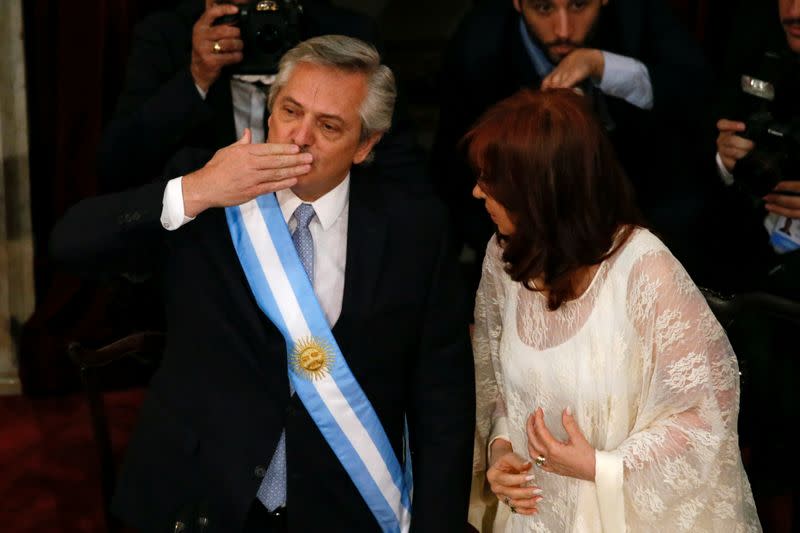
x,y
366,242
270,358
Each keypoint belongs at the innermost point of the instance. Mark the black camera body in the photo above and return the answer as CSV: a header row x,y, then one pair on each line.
x,y
772,119
269,28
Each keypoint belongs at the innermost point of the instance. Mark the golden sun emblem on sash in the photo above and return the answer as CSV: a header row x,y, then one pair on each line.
x,y
312,358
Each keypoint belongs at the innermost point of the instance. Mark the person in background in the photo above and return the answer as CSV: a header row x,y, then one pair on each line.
x,y
181,93
633,59
757,234
774,29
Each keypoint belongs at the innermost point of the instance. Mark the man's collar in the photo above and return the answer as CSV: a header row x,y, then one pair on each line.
x,y
328,207
541,63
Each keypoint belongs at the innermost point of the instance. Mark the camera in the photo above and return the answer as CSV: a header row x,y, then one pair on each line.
x,y
269,28
772,110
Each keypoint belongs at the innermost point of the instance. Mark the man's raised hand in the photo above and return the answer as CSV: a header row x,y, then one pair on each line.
x,y
242,171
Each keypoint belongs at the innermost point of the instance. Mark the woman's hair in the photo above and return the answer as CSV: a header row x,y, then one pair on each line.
x,y
545,158
350,55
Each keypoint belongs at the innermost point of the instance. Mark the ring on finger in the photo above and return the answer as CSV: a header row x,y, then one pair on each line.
x,y
217,48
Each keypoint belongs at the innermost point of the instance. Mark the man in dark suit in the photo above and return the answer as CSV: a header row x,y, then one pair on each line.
x,y
180,91
221,441
640,68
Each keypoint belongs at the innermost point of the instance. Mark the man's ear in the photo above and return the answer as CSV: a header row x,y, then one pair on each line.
x,y
366,147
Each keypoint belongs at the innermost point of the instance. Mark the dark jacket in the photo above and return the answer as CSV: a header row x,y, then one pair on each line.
x,y
218,403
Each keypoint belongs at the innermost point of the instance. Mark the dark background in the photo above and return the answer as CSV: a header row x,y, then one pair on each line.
x,y
76,53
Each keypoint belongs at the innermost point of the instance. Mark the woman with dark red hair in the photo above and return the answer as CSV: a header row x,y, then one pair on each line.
x,y
608,393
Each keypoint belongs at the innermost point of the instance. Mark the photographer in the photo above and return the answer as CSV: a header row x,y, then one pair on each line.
x,y
182,91
758,149
759,137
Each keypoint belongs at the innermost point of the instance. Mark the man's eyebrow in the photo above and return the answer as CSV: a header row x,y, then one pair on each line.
x,y
329,116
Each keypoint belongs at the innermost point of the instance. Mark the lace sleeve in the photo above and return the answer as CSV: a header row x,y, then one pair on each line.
x,y
490,404
682,465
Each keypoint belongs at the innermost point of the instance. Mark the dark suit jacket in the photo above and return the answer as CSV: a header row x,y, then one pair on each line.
x,y
160,112
486,62
219,401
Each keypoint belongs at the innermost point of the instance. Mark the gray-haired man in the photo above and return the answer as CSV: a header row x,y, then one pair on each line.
x,y
309,331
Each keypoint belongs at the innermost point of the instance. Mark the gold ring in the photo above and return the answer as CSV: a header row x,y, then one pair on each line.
x,y
540,461
217,47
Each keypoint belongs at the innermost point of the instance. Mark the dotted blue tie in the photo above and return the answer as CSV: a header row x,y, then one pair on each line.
x,y
302,238
272,491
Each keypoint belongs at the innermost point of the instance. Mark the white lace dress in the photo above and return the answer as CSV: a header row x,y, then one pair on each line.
x,y
651,379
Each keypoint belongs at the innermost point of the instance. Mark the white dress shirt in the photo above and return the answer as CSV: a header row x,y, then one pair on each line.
x,y
627,78
249,104
328,229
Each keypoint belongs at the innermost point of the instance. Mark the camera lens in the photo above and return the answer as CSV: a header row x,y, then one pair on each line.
x,y
269,38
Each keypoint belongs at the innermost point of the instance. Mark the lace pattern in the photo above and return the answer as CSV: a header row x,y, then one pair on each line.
x,y
650,376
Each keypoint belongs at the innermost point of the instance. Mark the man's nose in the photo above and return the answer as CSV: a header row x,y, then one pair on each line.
x,y
563,25
304,134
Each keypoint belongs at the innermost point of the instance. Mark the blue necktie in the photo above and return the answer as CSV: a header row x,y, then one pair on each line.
x,y
302,238
272,491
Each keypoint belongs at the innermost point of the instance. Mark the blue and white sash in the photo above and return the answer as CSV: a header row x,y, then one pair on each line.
x,y
317,368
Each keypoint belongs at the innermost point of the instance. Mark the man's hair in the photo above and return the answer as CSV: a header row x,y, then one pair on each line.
x,y
350,55
546,159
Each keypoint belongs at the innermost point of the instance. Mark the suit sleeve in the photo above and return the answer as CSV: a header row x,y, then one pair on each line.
x,y
111,235
442,406
158,107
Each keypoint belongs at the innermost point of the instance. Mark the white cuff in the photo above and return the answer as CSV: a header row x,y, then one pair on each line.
x,y
724,175
172,213
627,78
499,428
203,93
608,478
499,431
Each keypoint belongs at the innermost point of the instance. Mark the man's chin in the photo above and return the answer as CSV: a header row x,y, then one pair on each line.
x,y
556,54
794,42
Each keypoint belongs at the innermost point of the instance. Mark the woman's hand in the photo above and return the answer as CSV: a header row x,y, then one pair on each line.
x,y
574,458
507,476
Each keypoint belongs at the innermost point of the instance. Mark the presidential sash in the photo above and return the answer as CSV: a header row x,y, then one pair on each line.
x,y
317,369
